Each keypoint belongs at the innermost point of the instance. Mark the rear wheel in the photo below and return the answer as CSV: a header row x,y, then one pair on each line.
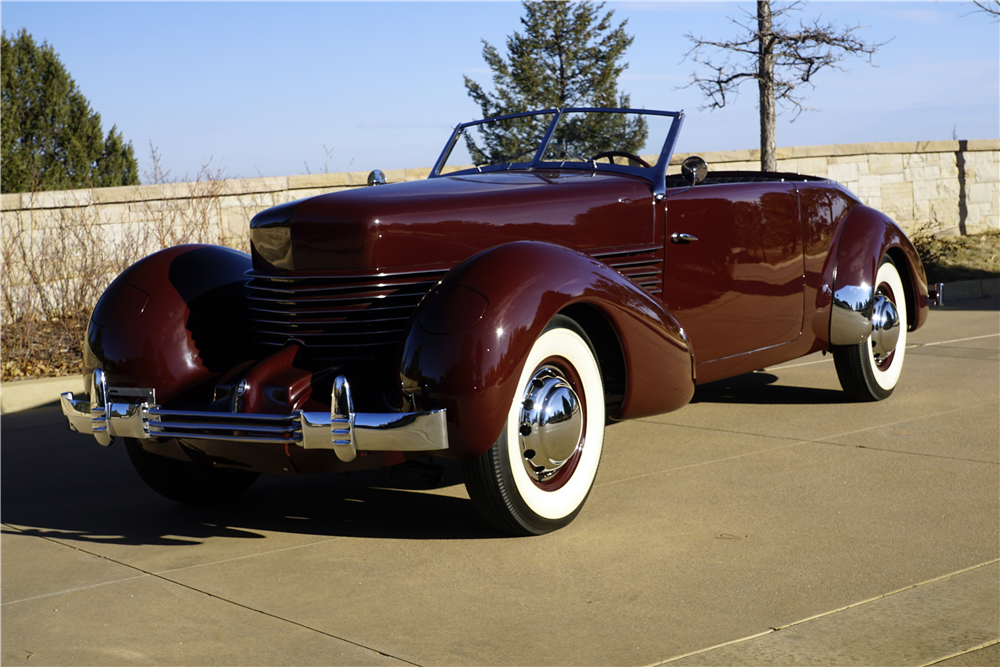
x,y
538,474
186,482
870,370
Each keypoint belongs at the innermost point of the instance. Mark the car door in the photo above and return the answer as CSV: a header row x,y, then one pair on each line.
x,y
733,268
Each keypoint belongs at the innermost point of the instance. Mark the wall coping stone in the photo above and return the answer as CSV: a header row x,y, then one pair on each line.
x,y
249,186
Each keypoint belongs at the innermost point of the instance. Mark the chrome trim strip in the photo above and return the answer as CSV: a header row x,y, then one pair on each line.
x,y
342,420
604,256
343,278
226,438
98,414
234,416
851,314
158,428
638,262
342,430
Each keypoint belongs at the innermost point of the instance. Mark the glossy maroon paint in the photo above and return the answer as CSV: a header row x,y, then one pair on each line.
x,y
758,272
869,236
472,373
184,331
824,209
745,272
446,220
514,249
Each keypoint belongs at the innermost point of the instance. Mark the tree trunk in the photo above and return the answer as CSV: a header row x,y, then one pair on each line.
x,y
765,84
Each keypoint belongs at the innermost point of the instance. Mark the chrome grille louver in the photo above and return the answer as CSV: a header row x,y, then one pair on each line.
x,y
643,266
341,317
335,316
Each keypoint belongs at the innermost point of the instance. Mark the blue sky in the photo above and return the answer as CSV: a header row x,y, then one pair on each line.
x,y
277,89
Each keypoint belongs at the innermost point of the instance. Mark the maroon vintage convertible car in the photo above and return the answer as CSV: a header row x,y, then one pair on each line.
x,y
548,276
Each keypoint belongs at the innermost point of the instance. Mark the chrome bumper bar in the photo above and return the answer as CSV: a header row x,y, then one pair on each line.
x,y
346,432
853,314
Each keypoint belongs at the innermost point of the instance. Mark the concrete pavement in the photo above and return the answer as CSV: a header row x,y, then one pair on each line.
x,y
770,522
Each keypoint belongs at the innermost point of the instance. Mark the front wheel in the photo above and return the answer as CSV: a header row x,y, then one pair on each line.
x,y
870,370
185,482
537,475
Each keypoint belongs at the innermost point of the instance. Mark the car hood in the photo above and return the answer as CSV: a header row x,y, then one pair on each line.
x,y
441,221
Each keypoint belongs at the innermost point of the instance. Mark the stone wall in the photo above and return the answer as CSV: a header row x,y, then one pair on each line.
x,y
947,186
58,250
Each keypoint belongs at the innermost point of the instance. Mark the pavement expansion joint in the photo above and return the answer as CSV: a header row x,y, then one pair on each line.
x,y
194,589
938,661
747,642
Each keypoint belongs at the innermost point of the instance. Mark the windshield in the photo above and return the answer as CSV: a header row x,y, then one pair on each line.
x,y
596,139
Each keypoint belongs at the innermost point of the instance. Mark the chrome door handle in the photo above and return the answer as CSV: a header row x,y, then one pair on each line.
x,y
682,238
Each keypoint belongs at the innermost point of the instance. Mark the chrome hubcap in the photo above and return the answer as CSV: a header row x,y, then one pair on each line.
x,y
550,423
885,327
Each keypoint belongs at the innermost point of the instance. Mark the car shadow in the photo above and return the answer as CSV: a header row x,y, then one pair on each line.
x,y
758,388
63,486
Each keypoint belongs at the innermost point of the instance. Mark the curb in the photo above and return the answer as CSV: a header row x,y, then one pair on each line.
x,y
27,394
964,290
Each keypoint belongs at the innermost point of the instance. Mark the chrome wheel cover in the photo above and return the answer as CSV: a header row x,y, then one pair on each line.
x,y
885,327
550,423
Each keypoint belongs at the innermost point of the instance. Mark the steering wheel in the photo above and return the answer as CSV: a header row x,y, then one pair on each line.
x,y
614,154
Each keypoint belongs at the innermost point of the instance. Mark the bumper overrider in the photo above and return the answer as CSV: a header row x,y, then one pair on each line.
x,y
111,412
858,312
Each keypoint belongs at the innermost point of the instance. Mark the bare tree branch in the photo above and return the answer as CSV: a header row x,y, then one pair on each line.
x,y
782,60
991,7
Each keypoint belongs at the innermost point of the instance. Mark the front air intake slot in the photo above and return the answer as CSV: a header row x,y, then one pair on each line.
x,y
336,317
643,266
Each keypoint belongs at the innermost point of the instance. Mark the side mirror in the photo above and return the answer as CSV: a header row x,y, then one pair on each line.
x,y
694,170
376,178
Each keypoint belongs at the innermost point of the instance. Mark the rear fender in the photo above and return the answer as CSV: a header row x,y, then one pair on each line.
x,y
869,236
467,341
171,321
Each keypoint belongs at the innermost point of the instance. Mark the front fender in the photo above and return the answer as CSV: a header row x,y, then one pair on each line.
x,y
869,236
467,341
171,321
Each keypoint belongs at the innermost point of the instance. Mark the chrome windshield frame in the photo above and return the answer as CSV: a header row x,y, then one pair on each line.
x,y
656,174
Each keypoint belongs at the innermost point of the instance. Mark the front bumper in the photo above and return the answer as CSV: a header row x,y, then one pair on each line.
x,y
133,413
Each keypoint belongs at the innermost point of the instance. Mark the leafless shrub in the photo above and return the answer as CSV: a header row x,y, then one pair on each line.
x,y
59,257
931,249
326,161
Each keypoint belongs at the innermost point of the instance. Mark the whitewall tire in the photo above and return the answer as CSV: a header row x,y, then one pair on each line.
x,y
538,474
870,370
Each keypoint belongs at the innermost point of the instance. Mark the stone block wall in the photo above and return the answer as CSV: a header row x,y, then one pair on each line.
x,y
60,249
948,187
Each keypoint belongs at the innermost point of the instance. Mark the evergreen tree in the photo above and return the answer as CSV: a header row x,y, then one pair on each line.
x,y
568,56
50,139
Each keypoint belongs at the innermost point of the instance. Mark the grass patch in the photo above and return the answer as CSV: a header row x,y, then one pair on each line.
x,y
953,258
